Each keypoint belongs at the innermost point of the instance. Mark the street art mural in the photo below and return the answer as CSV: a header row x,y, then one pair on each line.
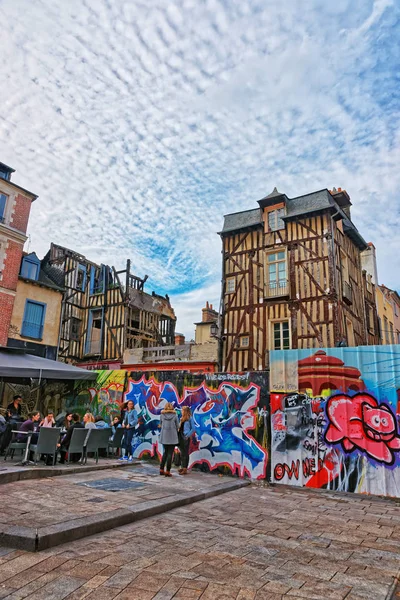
x,y
335,418
229,413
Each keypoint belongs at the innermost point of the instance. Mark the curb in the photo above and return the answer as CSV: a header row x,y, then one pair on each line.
x,y
42,473
34,540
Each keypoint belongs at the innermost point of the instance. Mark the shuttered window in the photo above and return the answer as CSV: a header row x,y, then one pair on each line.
x,y
33,323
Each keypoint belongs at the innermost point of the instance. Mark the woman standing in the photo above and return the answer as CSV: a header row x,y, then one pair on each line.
x,y
168,437
186,430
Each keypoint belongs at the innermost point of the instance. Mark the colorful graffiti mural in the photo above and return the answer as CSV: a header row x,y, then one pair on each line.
x,y
335,418
229,414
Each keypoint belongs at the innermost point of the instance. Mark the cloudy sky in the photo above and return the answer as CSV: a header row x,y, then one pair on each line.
x,y
140,123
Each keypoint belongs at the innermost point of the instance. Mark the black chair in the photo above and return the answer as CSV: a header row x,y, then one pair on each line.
x,y
14,445
116,442
95,441
77,442
47,442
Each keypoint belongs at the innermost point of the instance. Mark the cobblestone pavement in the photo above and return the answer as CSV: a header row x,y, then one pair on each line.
x,y
257,543
67,497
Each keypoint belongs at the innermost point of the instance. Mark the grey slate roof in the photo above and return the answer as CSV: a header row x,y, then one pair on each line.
x,y
309,203
301,205
241,220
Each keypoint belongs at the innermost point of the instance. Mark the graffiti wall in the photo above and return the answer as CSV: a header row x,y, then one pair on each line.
x,y
335,417
229,413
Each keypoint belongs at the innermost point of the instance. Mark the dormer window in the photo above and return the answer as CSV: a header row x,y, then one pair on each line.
x,y
275,220
30,267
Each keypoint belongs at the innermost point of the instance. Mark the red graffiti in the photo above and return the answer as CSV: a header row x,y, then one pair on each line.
x,y
282,468
359,422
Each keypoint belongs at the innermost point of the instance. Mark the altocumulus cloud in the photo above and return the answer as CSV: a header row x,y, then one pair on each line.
x,y
140,123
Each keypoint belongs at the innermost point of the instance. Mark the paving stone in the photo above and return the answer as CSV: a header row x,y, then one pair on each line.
x,y
58,589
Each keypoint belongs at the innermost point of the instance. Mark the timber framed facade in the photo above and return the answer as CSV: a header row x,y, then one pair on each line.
x,y
105,311
292,278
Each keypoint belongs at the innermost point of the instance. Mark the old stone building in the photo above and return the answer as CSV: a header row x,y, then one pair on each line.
x,y
15,206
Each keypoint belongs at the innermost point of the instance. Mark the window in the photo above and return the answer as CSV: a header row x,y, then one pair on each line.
x,y
230,285
97,280
396,310
371,319
350,333
33,321
391,331
95,327
398,337
80,282
75,329
3,200
280,335
275,220
244,341
345,267
385,330
30,267
277,284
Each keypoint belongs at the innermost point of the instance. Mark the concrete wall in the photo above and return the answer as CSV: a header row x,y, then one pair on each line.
x,y
52,299
335,418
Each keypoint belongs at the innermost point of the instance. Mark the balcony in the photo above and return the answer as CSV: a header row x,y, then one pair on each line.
x,y
347,293
32,330
277,288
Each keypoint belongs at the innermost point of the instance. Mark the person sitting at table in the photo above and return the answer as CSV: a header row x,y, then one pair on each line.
x,y
101,423
65,441
48,421
30,424
68,420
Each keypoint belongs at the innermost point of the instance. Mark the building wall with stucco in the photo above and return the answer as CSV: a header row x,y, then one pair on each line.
x,y
38,293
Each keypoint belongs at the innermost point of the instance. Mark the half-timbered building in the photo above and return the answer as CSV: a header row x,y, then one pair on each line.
x,y
292,278
105,311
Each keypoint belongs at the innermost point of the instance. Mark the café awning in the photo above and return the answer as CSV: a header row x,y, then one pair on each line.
x,y
15,364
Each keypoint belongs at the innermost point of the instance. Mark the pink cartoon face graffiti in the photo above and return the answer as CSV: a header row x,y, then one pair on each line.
x,y
379,422
359,422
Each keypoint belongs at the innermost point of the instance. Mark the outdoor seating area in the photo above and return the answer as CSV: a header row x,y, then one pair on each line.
x,y
46,446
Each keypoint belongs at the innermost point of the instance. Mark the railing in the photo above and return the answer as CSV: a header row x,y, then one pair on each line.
x,y
277,288
32,330
161,353
347,292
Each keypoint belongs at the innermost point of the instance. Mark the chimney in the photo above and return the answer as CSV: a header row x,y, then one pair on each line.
x,y
209,315
179,339
368,262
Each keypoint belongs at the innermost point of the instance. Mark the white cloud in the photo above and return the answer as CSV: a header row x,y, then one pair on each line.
x,y
139,124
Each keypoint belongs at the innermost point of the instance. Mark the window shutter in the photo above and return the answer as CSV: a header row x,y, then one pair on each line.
x,y
33,320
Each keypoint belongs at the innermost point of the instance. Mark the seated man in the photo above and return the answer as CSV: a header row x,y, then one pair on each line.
x,y
30,424
76,424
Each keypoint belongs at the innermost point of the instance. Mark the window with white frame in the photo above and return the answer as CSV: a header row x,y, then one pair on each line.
x,y
275,219
230,285
244,341
280,335
276,274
